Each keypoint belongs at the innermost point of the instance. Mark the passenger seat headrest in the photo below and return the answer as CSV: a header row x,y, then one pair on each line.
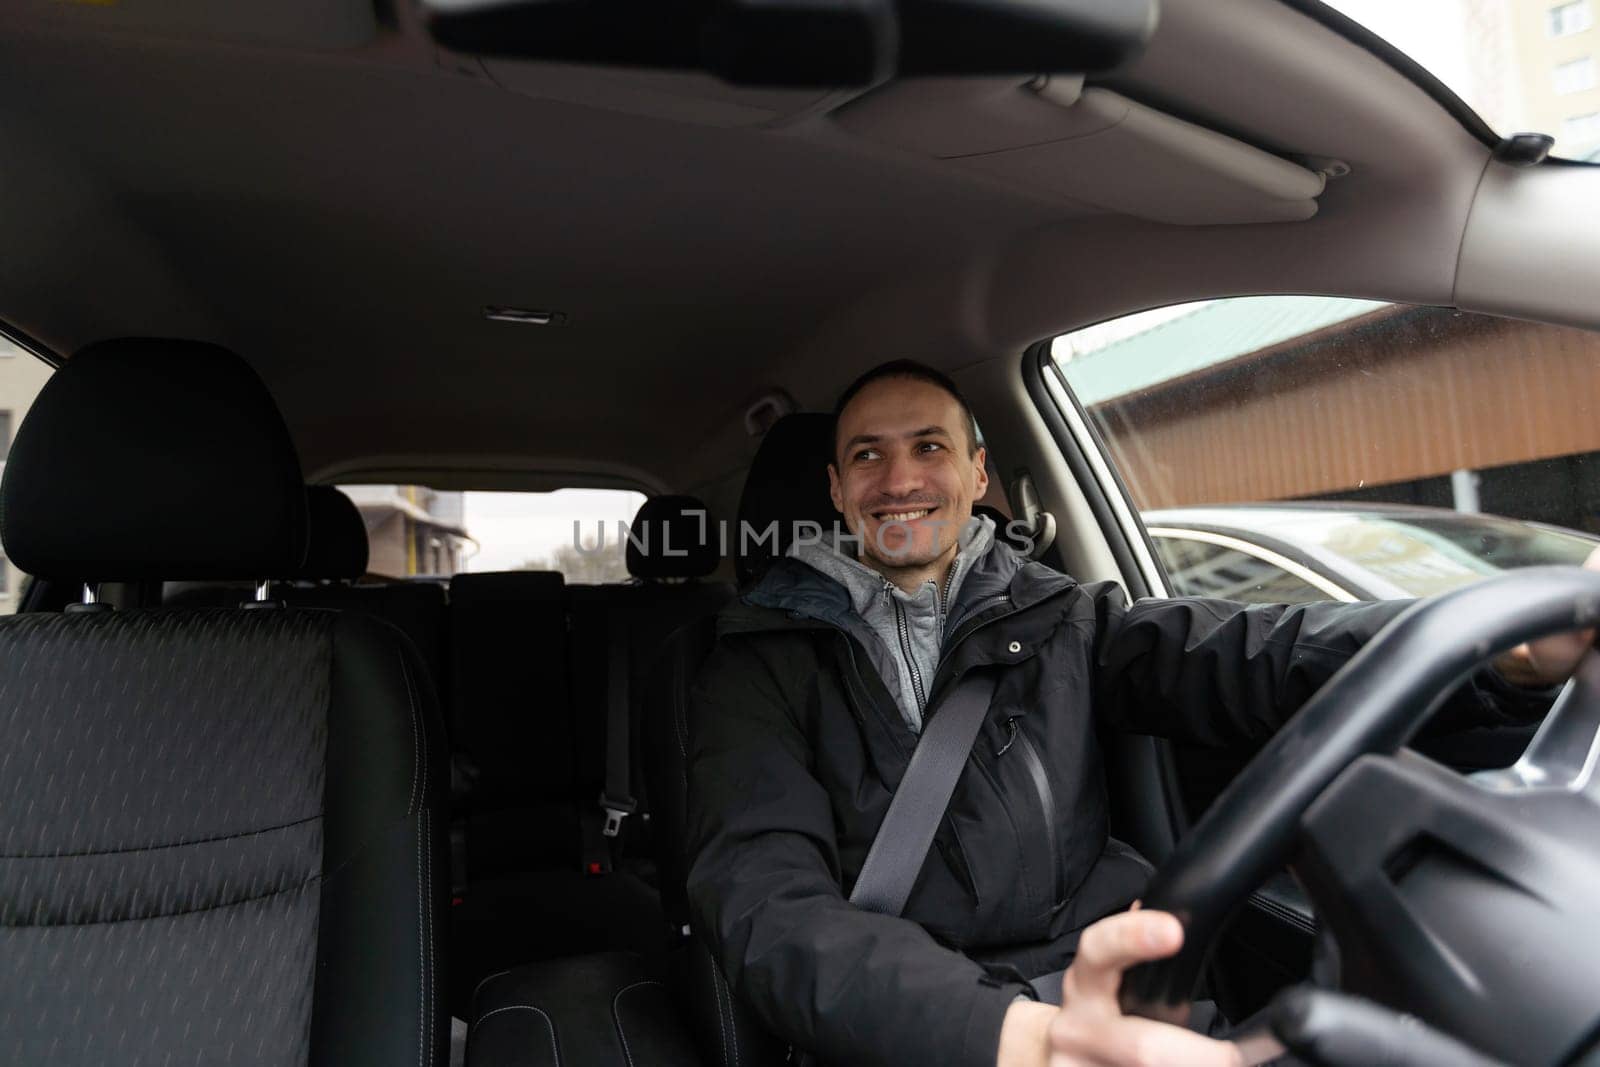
x,y
147,460
336,545
672,537
787,485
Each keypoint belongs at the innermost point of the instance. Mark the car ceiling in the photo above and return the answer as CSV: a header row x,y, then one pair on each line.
x,y
338,208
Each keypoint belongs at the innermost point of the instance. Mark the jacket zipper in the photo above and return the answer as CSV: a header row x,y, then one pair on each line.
x,y
905,648
1041,787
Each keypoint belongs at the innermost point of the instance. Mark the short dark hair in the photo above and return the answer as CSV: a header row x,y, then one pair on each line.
x,y
907,368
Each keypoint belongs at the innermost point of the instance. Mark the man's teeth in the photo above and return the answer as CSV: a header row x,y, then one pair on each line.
x,y
904,516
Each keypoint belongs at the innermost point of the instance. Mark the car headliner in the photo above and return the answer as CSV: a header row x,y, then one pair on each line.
x,y
341,215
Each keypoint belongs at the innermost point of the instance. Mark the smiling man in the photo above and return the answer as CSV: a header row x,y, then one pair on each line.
x,y
810,706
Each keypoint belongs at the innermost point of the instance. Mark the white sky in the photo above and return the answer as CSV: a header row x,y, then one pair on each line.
x,y
513,528
1432,32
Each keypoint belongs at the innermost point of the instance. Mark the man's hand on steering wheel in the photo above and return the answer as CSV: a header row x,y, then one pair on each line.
x,y
1549,660
1089,1030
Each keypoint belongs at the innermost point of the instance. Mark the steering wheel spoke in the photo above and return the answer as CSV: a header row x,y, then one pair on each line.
x,y
1565,751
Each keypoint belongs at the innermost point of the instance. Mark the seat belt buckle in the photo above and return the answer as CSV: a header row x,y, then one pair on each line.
x,y
616,811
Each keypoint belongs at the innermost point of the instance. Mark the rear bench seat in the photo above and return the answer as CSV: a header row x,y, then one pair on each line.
x,y
612,1008
532,662
511,722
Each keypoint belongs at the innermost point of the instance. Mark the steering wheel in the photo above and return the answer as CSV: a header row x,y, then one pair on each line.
x,y
1468,903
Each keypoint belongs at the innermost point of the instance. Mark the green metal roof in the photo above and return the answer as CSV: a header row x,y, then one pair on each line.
x,y
1214,332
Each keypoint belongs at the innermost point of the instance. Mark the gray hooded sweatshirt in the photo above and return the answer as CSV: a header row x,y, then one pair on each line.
x,y
909,627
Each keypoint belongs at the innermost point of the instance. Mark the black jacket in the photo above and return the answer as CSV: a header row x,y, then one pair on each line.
x,y
796,748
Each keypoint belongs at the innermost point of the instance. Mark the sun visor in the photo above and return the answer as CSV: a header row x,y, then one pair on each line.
x,y
1086,145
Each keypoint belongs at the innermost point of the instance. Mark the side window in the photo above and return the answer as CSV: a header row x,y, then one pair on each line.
x,y
1364,435
22,375
1200,568
418,531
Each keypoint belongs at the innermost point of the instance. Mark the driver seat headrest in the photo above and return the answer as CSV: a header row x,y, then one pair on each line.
x,y
787,485
145,459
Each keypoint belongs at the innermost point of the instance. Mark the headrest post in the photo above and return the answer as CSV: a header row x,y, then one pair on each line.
x,y
263,590
91,593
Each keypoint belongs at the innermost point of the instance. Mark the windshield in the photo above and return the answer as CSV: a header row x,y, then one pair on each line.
x,y
1523,65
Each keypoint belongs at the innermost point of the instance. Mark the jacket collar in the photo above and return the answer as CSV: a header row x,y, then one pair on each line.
x,y
864,584
790,594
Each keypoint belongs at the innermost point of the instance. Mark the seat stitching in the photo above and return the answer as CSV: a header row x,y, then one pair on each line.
x,y
716,993
733,1023
616,1016
297,887
156,848
421,1009
554,1049
433,971
485,980
416,734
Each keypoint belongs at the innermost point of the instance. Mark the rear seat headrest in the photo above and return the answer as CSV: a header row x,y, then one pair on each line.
x,y
672,537
787,485
336,545
146,459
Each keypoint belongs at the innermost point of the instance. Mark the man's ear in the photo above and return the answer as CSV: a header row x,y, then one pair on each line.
x,y
834,492
980,486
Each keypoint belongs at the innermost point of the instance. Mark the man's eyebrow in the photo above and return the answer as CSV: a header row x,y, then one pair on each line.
x,y
862,439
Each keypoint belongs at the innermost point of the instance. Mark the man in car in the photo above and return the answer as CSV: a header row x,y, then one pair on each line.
x,y
813,698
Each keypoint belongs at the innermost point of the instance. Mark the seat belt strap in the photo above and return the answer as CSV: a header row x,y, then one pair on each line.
x,y
616,799
901,845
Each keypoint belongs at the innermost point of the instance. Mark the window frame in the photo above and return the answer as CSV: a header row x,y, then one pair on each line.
x,y
1255,551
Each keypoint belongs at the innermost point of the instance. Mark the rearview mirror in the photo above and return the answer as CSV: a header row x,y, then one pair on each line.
x,y
810,43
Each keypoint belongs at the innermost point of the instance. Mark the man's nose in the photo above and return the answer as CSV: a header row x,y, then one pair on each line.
x,y
901,476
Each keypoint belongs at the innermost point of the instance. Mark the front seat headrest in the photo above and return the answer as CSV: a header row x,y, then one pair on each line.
x,y
672,537
787,485
146,459
336,544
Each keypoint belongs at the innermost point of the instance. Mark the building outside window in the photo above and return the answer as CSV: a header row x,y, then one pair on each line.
x,y
21,378
1581,129
1570,18
1576,76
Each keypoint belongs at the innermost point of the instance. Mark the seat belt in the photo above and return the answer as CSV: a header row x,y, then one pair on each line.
x,y
602,825
616,800
901,845
918,806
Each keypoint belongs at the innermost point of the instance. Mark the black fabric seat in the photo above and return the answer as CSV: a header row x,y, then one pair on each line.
x,y
512,723
220,829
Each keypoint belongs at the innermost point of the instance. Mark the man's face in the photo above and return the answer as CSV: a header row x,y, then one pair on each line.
x,y
903,475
